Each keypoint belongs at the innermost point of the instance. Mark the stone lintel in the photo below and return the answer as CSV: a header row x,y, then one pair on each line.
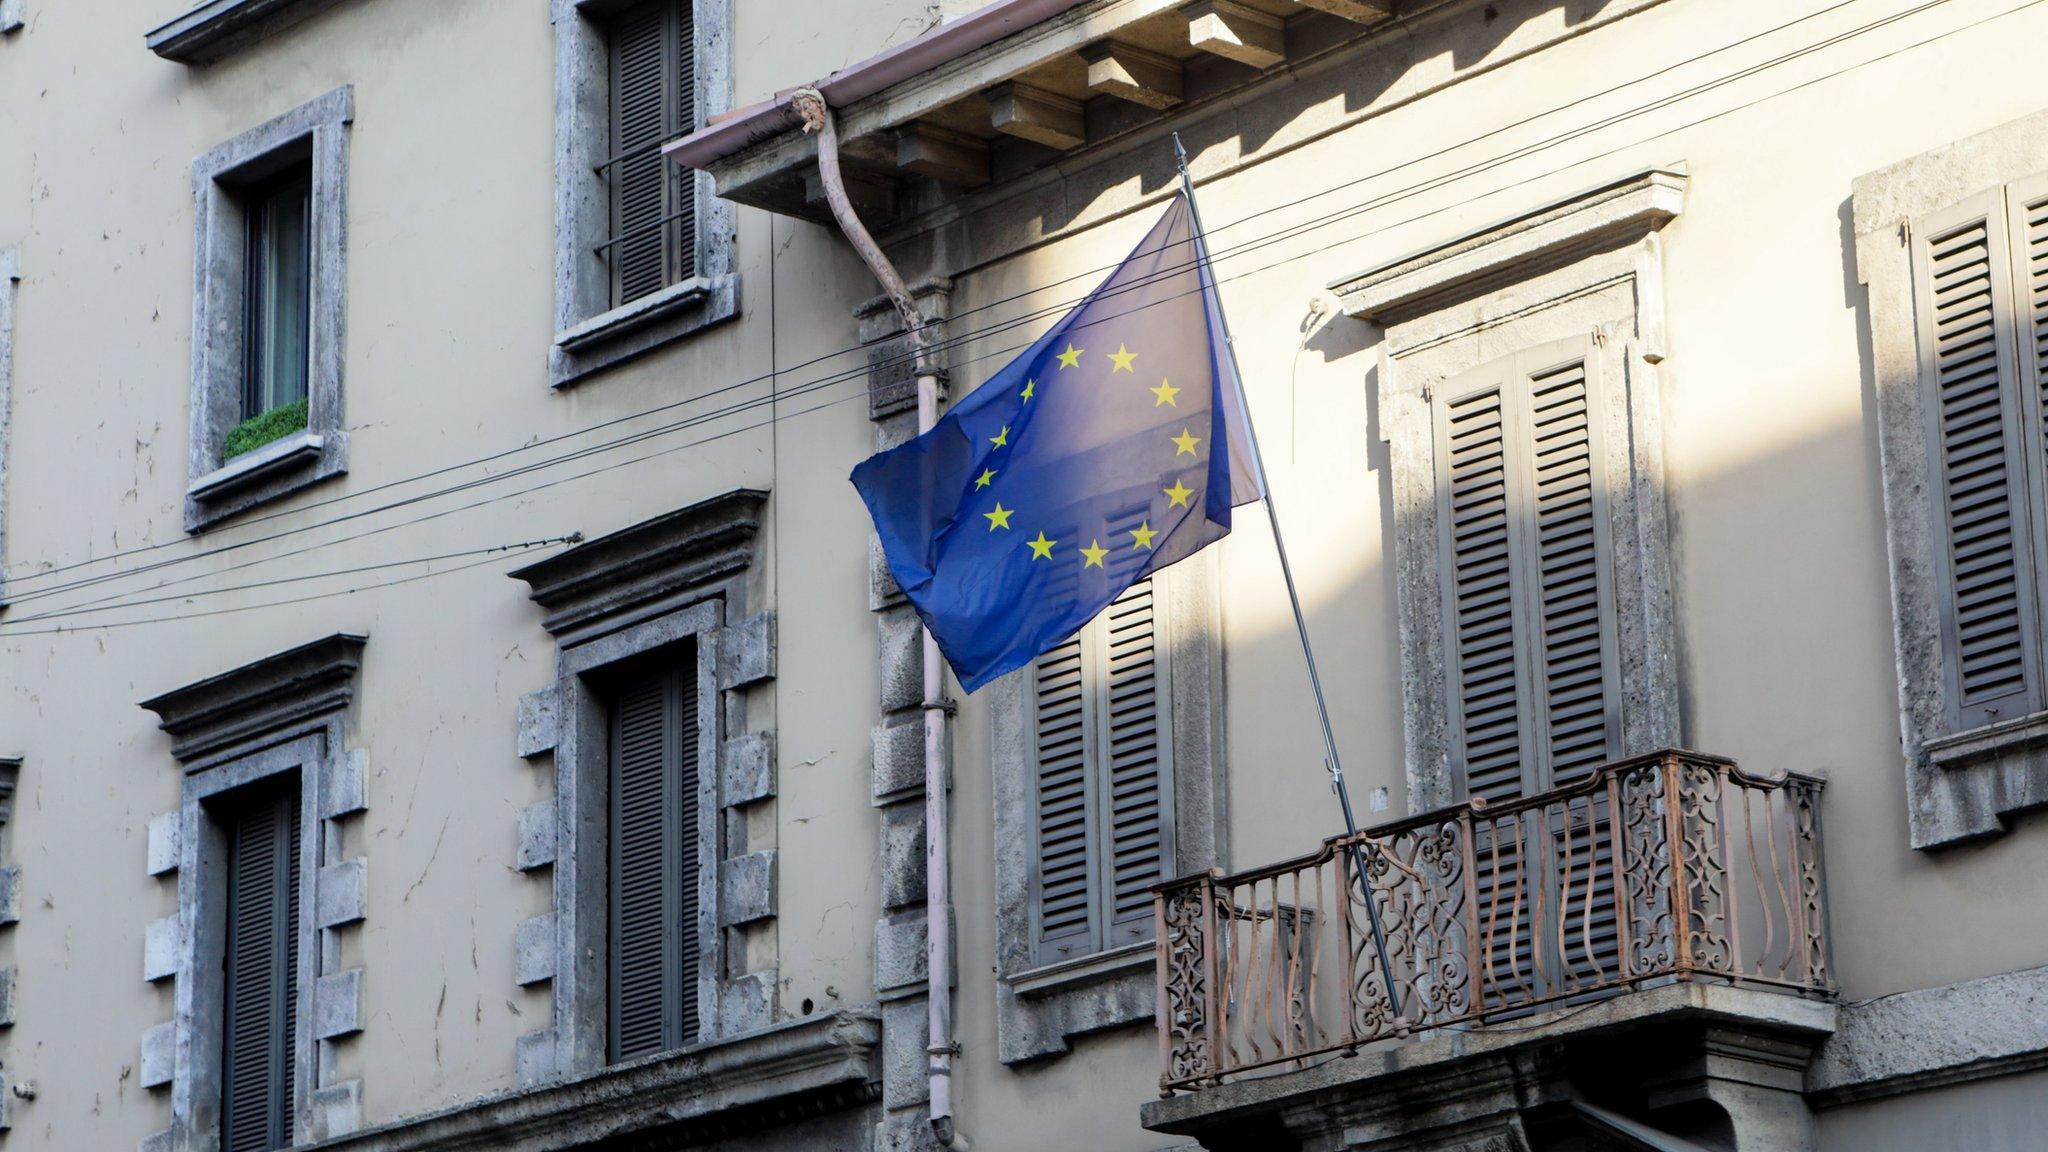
x,y
292,690
1516,249
601,580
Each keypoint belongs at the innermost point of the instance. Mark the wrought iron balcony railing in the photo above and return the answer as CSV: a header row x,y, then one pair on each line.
x,y
1672,866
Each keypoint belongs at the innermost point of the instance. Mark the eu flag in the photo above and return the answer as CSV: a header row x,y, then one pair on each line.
x,y
1115,446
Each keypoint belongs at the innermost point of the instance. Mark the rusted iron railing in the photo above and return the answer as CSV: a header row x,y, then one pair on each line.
x,y
1672,866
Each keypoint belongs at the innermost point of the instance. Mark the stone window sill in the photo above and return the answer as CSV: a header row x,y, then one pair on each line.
x,y
250,468
271,472
1051,979
614,337
2022,734
215,28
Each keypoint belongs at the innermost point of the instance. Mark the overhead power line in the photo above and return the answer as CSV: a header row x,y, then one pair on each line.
x,y
843,377
1054,308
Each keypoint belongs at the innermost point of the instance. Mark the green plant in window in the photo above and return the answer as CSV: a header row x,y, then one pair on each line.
x,y
263,428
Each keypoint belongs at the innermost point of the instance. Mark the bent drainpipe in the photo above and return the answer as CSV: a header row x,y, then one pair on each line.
x,y
938,832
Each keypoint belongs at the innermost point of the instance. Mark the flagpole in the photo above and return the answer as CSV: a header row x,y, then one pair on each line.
x,y
1308,655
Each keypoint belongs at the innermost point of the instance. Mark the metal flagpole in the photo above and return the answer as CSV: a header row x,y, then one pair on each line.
x,y
1336,768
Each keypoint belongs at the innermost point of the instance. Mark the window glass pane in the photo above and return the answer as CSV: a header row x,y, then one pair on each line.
x,y
279,296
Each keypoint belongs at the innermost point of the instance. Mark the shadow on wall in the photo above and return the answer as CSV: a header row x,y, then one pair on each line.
x,y
1468,38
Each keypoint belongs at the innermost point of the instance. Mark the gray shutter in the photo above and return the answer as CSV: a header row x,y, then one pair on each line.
x,y
654,934
1478,535
653,99
1139,804
1963,307
2028,201
261,970
1528,601
1065,845
1104,781
1530,643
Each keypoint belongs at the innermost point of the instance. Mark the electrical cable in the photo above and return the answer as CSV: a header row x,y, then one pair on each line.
x,y
1223,252
829,381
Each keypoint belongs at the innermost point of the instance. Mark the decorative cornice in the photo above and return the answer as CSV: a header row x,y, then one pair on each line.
x,y
770,1078
611,576
217,27
1515,249
284,691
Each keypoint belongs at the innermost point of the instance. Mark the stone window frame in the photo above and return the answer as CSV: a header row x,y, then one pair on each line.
x,y
674,578
213,29
285,713
10,280
1041,1009
590,334
1590,267
318,131
13,16
1960,786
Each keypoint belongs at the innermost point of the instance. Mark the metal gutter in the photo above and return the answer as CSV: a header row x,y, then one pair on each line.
x,y
742,127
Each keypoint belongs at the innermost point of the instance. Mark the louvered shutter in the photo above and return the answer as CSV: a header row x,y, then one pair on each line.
x,y
654,864
653,100
1528,600
1970,368
261,969
1138,807
2028,200
1104,782
1530,642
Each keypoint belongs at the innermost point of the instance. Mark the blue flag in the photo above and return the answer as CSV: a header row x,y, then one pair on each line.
x,y
1115,446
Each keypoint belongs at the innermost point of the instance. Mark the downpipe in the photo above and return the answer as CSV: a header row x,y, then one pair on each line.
x,y
938,820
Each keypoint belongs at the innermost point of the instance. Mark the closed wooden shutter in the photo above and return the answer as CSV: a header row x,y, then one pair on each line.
x,y
1530,651
261,966
654,864
653,100
1964,308
1528,600
1104,782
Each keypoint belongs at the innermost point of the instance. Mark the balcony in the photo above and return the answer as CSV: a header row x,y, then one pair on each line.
x,y
1672,889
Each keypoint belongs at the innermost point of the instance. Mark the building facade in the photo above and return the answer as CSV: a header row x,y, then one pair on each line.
x,y
450,696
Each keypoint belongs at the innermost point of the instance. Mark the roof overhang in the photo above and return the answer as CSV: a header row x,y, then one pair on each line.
x,y
1010,88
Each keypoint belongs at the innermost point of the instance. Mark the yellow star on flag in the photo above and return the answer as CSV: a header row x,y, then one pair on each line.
x,y
1041,548
1070,357
1000,518
1002,438
1142,535
987,474
1094,553
1185,442
1166,393
1122,358
1030,386
1179,493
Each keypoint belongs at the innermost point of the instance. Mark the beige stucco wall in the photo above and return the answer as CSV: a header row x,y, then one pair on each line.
x,y
1777,529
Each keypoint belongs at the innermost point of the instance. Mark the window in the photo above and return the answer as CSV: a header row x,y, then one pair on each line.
x,y
653,100
265,902
1108,774
1532,563
1528,599
260,968
277,316
1103,716
267,313
651,998
660,933
643,248
1978,302
1957,292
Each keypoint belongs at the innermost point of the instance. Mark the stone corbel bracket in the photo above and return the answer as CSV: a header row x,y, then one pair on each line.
x,y
679,576
283,712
